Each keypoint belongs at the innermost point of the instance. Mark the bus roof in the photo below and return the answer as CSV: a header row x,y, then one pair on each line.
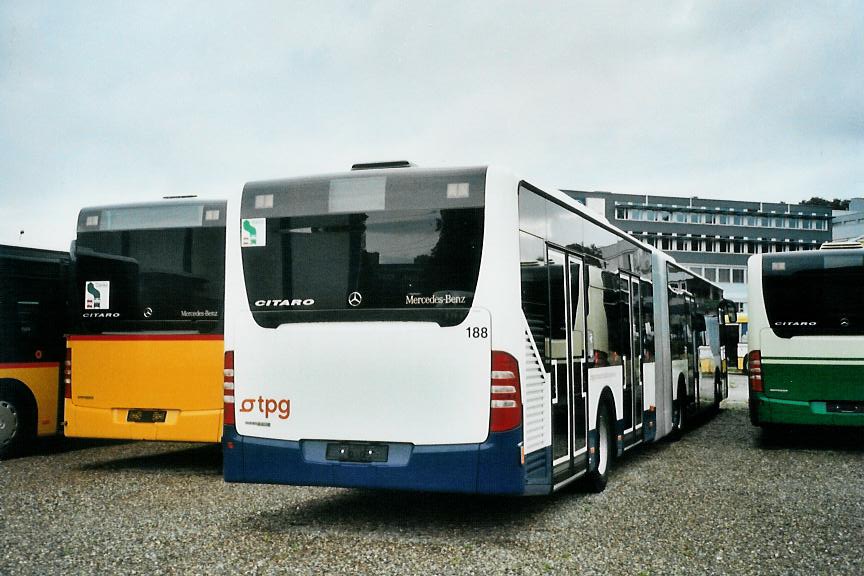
x,y
23,252
551,192
157,214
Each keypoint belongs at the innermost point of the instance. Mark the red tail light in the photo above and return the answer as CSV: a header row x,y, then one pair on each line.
x,y
754,368
228,388
67,375
506,396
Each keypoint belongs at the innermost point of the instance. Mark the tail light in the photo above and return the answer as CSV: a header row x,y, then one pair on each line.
x,y
506,401
67,375
228,388
754,367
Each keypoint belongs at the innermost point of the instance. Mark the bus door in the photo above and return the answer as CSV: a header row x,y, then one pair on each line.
x,y
635,360
579,369
692,351
630,313
558,364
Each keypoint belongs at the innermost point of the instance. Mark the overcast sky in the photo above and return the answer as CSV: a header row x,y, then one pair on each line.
x,y
114,102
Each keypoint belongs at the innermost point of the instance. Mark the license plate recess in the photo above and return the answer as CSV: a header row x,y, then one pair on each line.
x,y
146,416
357,452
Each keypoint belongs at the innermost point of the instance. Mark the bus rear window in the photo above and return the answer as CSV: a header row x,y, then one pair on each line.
x,y
169,279
814,294
401,247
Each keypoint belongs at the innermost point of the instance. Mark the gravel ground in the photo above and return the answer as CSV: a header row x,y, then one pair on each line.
x,y
720,501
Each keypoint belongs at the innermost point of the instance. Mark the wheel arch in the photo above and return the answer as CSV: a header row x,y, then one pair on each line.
x,y
12,387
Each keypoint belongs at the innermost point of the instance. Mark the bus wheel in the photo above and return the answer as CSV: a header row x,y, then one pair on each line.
x,y
598,478
718,392
10,427
679,414
15,419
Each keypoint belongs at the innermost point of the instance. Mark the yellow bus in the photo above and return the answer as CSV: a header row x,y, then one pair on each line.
x,y
145,353
32,312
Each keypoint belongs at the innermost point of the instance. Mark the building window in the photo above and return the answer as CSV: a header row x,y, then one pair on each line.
x,y
737,275
710,218
621,213
751,247
738,247
680,244
737,220
723,245
711,274
681,217
792,223
709,245
664,216
665,243
649,215
694,244
722,219
696,270
765,222
723,275
695,218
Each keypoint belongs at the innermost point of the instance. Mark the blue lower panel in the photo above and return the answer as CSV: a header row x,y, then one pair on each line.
x,y
492,467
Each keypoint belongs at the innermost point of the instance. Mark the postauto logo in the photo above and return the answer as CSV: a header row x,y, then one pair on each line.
x,y
280,407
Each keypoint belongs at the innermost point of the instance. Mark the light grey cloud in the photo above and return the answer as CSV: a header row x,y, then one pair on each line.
x,y
119,102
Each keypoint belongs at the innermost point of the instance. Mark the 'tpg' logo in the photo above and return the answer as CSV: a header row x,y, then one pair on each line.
x,y
267,406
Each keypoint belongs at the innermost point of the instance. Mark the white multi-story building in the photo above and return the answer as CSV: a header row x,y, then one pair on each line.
x,y
714,238
849,224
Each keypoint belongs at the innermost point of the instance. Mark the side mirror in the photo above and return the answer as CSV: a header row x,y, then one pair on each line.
x,y
731,311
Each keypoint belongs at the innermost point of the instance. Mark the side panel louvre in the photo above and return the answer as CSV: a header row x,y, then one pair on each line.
x,y
536,400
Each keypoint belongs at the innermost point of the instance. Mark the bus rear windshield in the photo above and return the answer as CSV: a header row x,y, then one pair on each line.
x,y
152,280
401,247
815,294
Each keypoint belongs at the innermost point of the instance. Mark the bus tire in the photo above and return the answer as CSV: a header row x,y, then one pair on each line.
x,y
773,434
679,413
15,419
718,391
597,478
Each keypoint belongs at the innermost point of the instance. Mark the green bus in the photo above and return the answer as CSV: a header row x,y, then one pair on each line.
x,y
806,337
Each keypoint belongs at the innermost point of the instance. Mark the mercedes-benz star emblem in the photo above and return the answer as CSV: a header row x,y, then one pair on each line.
x,y
148,312
355,298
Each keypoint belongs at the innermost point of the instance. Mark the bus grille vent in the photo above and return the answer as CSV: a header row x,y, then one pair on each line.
x,y
535,404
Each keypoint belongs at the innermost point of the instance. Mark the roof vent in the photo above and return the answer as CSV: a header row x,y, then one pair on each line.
x,y
842,244
384,165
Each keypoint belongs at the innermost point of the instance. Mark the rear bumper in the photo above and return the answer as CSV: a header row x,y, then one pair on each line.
x,y
492,467
179,425
764,410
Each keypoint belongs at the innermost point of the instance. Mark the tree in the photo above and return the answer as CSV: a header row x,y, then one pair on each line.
x,y
836,204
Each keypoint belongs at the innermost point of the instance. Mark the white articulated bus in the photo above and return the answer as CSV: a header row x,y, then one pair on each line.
x,y
454,330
